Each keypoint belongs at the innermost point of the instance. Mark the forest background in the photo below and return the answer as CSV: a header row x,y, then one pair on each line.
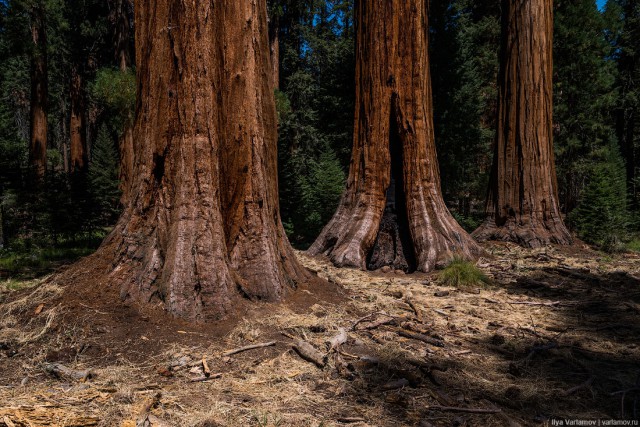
x,y
89,93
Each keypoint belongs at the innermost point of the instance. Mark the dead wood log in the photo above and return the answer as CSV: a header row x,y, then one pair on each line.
x,y
247,348
309,353
336,341
415,309
60,371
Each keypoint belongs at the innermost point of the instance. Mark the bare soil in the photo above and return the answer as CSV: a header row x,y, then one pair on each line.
x,y
555,335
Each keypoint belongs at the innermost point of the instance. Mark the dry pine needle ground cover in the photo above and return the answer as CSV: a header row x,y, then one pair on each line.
x,y
555,334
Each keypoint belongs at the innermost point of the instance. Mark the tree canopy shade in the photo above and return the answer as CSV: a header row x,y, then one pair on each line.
x,y
392,212
202,226
523,198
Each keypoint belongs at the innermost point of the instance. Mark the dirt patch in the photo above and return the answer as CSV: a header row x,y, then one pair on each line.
x,y
555,335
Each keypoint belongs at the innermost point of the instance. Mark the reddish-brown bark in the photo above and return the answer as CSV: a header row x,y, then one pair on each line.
x,y
202,227
39,92
77,129
393,138
522,205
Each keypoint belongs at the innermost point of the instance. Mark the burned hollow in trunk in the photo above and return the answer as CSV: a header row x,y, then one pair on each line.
x,y
392,211
393,246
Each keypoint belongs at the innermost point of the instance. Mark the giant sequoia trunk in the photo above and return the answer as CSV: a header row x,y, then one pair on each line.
x,y
77,129
392,212
39,92
203,227
522,205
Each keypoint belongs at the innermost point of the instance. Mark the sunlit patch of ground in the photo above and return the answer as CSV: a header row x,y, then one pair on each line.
x,y
554,334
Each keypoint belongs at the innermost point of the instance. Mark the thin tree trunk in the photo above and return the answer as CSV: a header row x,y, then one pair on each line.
x,y
274,49
522,205
39,93
392,212
122,34
203,228
77,126
1,225
123,58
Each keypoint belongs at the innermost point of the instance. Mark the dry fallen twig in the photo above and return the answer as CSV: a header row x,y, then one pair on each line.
x,y
248,347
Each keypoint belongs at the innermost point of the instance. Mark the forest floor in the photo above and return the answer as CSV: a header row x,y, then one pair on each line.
x,y
555,335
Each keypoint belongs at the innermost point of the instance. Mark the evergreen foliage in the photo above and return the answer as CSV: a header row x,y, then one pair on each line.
x,y
103,180
315,110
601,216
464,61
584,97
596,114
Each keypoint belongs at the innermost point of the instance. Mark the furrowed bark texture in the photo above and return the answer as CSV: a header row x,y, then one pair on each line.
x,y
39,92
203,226
393,136
522,204
77,130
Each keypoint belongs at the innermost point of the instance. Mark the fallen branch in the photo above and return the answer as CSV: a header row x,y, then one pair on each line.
x,y
467,410
420,337
206,378
205,367
350,420
415,309
585,384
309,353
376,324
247,348
544,304
394,385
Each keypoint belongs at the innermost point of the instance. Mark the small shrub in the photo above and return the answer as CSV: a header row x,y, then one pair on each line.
x,y
462,274
634,245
